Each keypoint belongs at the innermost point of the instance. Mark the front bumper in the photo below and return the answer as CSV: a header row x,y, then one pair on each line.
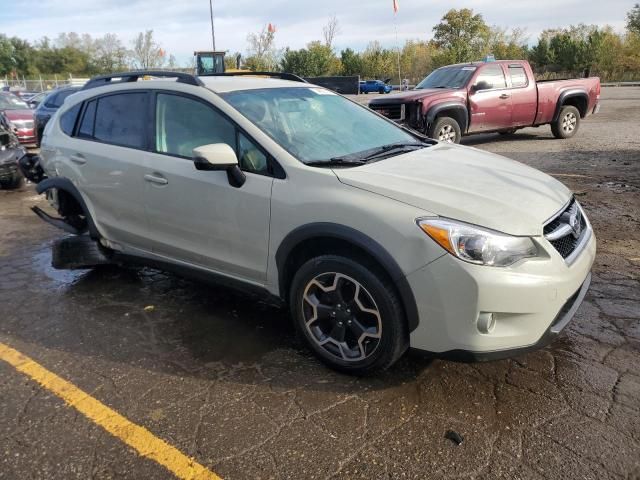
x,y
531,303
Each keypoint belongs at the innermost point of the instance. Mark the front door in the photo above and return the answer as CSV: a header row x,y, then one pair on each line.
x,y
489,100
197,216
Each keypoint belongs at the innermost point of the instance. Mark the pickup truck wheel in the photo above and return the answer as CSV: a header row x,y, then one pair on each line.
x,y
445,129
381,90
567,123
349,316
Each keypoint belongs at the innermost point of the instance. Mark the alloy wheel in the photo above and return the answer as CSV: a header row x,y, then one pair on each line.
x,y
569,122
447,134
341,316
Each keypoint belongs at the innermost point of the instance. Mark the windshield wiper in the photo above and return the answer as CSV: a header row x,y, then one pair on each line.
x,y
392,147
336,162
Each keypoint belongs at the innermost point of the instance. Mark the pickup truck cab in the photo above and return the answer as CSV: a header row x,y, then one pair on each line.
x,y
375,86
496,96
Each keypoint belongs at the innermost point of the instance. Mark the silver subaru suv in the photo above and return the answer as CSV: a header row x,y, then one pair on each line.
x,y
377,239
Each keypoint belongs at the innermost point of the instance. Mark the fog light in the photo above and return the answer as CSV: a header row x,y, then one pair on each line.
x,y
486,322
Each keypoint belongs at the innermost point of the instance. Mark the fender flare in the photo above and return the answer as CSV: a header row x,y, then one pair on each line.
x,y
66,185
358,239
571,93
434,110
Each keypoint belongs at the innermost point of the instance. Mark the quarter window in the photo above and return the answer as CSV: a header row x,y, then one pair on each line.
x,y
493,75
183,124
68,119
251,158
518,77
121,119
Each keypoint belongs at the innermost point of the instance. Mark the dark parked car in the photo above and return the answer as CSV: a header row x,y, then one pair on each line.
x,y
20,118
49,106
10,152
34,101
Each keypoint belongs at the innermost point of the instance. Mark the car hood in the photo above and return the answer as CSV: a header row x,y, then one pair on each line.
x,y
411,95
22,114
465,184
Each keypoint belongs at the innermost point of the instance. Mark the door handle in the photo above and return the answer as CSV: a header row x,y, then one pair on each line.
x,y
155,179
504,96
78,158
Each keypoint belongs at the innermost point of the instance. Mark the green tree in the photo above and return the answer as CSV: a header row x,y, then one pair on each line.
x,y
351,62
462,34
146,52
262,53
316,60
633,19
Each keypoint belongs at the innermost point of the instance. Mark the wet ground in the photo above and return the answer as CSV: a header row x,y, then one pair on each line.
x,y
222,378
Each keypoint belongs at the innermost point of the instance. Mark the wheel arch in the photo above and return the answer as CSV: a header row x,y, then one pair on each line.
x,y
454,110
314,239
576,97
65,185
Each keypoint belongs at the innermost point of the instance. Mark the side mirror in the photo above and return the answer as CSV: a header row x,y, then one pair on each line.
x,y
481,85
217,157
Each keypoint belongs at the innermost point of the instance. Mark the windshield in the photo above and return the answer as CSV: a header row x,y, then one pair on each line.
x,y
447,77
314,124
11,102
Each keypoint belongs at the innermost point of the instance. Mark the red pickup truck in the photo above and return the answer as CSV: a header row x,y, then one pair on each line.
x,y
496,96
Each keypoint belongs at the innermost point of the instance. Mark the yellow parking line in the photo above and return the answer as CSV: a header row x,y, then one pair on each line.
x,y
137,437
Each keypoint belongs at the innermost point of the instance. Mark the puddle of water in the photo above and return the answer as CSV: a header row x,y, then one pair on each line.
x,y
42,263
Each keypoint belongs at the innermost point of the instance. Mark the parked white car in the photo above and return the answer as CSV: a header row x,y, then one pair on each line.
x,y
377,238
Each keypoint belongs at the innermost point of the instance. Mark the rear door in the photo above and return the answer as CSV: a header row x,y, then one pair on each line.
x,y
524,96
197,216
107,156
490,108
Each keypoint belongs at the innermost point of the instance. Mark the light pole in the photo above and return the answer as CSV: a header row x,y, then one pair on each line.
x,y
213,33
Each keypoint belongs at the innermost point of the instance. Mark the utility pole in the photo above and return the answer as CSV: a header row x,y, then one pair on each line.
x,y
213,33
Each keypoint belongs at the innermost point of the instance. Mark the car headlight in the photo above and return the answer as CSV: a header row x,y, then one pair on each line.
x,y
478,245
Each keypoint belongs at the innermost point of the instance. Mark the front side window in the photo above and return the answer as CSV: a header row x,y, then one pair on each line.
x,y
121,119
314,124
183,124
250,157
493,75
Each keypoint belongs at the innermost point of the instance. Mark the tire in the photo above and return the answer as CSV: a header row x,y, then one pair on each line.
x,y
445,129
381,90
13,183
567,123
371,330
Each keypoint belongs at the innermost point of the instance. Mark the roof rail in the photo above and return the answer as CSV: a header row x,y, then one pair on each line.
x,y
123,77
281,75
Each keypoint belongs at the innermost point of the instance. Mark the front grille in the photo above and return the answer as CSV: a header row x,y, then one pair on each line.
x,y
567,229
393,111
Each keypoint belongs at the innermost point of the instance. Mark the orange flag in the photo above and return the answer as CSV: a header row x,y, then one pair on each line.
x,y
271,28
396,7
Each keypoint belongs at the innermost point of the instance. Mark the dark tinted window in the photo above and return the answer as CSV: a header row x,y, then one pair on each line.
x,y
86,127
183,124
493,75
68,119
121,119
518,77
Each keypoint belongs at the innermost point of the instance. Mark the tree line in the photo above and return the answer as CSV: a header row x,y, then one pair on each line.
x,y
461,35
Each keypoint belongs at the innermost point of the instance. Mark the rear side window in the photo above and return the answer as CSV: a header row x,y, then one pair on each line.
x,y
56,100
493,75
518,77
68,119
88,120
121,119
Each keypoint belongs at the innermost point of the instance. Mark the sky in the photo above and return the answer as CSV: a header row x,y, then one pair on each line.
x,y
182,26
